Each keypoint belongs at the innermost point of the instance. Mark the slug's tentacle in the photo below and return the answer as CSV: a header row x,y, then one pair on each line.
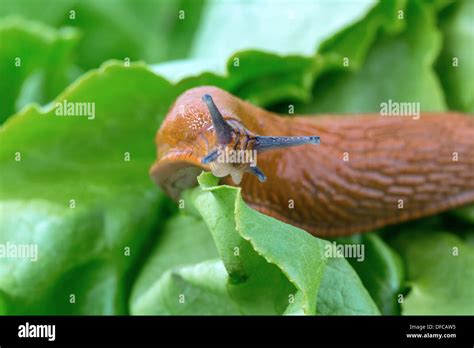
x,y
263,143
210,157
369,171
258,173
222,128
229,140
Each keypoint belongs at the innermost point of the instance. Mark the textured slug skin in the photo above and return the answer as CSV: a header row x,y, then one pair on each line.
x,y
368,171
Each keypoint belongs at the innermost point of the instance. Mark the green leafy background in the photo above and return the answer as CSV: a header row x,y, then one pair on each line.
x,y
125,248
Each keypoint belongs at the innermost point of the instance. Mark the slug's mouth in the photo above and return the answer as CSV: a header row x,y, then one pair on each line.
x,y
177,171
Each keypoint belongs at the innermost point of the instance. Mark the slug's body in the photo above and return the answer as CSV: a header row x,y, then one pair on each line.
x,y
367,172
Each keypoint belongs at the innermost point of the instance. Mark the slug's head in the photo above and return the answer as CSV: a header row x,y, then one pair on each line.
x,y
199,135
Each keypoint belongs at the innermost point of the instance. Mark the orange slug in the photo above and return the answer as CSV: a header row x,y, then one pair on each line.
x,y
348,174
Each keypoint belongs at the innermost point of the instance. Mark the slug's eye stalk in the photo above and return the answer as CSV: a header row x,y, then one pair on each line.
x,y
268,143
227,137
223,129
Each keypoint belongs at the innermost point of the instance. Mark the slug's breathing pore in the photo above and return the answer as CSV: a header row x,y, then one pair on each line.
x,y
368,171
243,147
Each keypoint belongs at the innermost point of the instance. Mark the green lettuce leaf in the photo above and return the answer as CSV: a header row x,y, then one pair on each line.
x,y
342,292
465,213
455,65
284,29
78,188
292,76
183,275
381,270
149,30
439,273
386,73
354,42
275,268
35,63
266,266
258,252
